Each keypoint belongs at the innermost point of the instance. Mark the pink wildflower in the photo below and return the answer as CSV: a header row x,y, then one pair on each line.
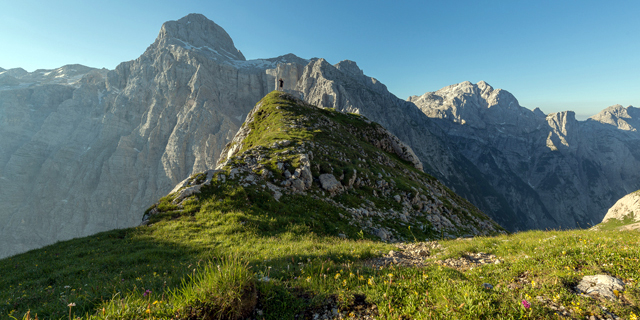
x,y
526,304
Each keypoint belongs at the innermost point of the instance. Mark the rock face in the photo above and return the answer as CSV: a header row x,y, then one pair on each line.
x,y
328,162
553,170
84,150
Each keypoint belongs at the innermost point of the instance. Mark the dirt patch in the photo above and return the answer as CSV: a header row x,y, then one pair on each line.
x,y
408,255
470,260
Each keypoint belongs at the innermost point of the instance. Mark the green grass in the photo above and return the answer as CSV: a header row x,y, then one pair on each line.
x,y
113,270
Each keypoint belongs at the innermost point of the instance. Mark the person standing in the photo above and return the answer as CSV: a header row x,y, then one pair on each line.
x,y
280,84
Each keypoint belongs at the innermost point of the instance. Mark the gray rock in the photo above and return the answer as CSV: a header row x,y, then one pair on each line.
x,y
275,190
329,182
382,233
601,285
297,185
353,178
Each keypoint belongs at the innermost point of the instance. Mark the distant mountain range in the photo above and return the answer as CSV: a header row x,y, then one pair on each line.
x,y
84,150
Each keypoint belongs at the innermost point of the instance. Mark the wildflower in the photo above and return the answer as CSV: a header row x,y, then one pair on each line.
x,y
526,304
308,279
344,282
370,281
146,293
337,276
633,316
71,305
67,287
155,302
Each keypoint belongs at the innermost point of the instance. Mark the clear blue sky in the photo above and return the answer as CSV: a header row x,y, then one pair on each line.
x,y
555,55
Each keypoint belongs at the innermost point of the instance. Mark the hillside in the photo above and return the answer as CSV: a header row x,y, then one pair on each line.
x,y
289,226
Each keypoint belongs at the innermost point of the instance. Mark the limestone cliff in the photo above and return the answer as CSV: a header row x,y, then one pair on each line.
x,y
85,150
554,170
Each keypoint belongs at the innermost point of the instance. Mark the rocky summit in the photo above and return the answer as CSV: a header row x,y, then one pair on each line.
x,y
340,168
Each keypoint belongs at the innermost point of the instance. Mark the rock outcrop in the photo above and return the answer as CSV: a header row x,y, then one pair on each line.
x,y
626,208
623,215
554,170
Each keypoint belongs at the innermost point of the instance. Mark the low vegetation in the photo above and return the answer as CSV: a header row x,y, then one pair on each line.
x,y
170,270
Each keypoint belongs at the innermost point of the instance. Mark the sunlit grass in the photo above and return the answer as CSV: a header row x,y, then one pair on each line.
x,y
125,272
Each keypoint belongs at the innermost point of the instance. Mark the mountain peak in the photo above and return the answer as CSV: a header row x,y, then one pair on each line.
x,y
195,30
350,67
618,116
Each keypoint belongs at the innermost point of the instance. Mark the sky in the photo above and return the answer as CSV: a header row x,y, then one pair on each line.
x,y
556,55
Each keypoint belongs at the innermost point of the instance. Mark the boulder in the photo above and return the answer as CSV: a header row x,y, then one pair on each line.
x,y
329,182
601,285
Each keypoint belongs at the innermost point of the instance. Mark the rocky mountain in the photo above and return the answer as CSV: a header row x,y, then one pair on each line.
x,y
293,154
554,170
86,150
